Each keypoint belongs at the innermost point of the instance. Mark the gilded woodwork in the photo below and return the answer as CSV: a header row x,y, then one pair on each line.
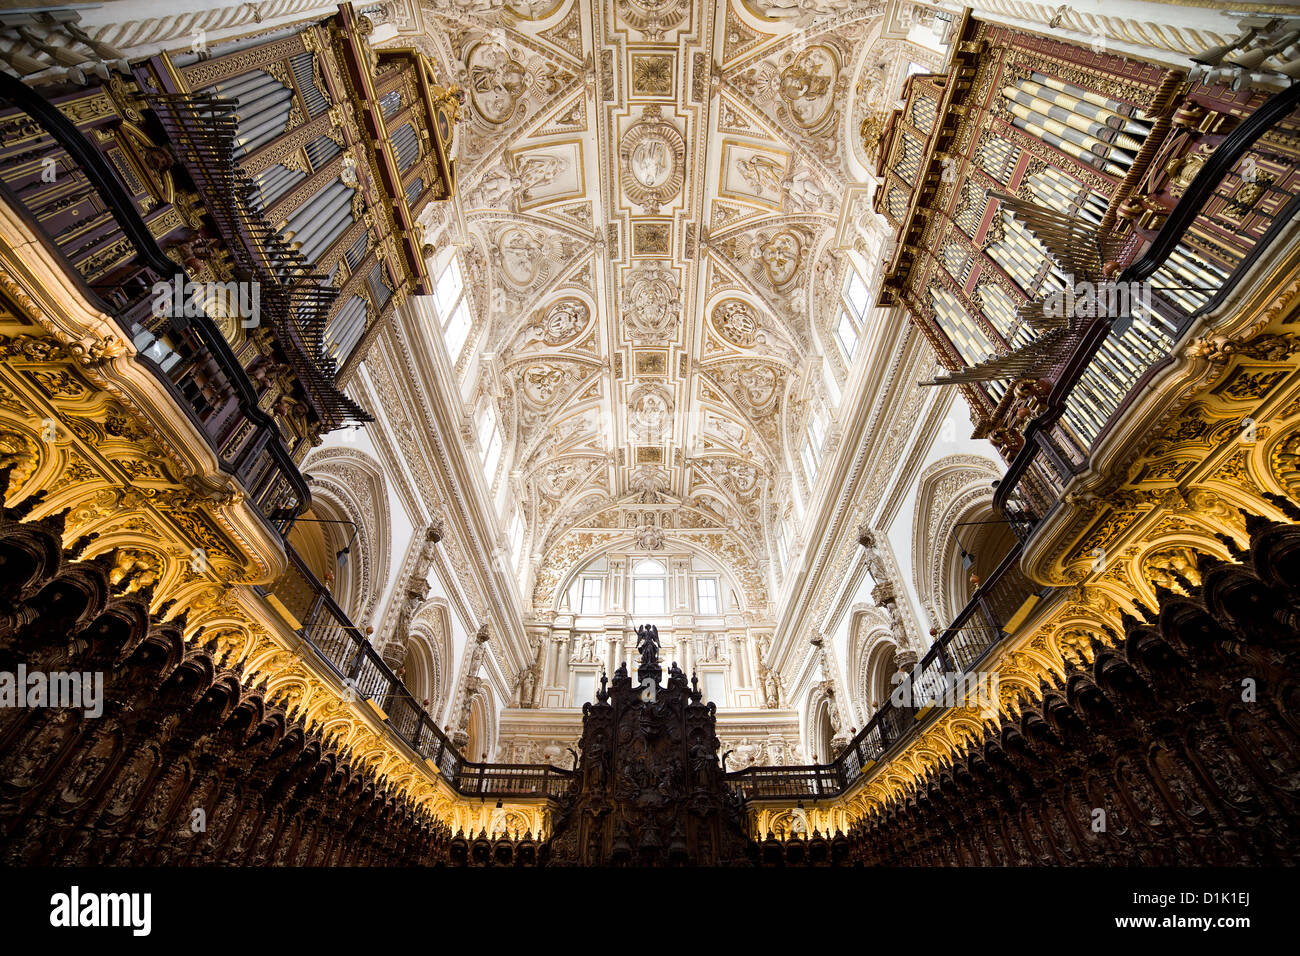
x,y
86,440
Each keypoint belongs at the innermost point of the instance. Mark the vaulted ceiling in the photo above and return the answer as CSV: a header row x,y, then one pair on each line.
x,y
655,199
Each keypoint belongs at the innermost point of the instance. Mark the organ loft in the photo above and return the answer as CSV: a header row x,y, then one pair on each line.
x,y
585,433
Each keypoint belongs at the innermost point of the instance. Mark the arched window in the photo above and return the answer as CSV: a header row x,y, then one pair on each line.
x,y
855,303
489,441
823,732
452,309
649,588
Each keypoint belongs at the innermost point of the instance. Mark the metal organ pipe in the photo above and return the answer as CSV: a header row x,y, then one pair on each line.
x,y
246,84
337,220
301,219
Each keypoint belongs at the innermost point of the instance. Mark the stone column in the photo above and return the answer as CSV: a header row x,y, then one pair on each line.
x,y
679,581
616,584
732,640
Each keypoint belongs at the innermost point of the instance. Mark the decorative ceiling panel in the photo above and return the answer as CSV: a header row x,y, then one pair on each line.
x,y
654,185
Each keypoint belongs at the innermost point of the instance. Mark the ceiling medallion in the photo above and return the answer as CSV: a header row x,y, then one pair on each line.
x,y
649,414
757,387
808,86
736,322
652,17
497,81
653,155
562,322
781,256
519,254
543,383
651,302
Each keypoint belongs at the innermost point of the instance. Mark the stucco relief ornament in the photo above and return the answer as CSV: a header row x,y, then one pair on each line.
x,y
649,482
496,82
652,157
736,322
804,194
798,11
757,386
501,185
561,323
651,302
652,17
519,254
650,537
781,256
532,9
650,413
541,383
808,86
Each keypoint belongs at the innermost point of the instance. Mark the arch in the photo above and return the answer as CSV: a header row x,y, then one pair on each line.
x,y
819,729
872,652
428,650
880,667
347,485
628,545
481,727
954,489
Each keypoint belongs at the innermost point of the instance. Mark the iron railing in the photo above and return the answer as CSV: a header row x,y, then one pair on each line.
x,y
346,650
943,678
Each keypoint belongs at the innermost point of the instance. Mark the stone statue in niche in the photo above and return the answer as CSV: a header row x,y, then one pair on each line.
x,y
771,684
527,684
